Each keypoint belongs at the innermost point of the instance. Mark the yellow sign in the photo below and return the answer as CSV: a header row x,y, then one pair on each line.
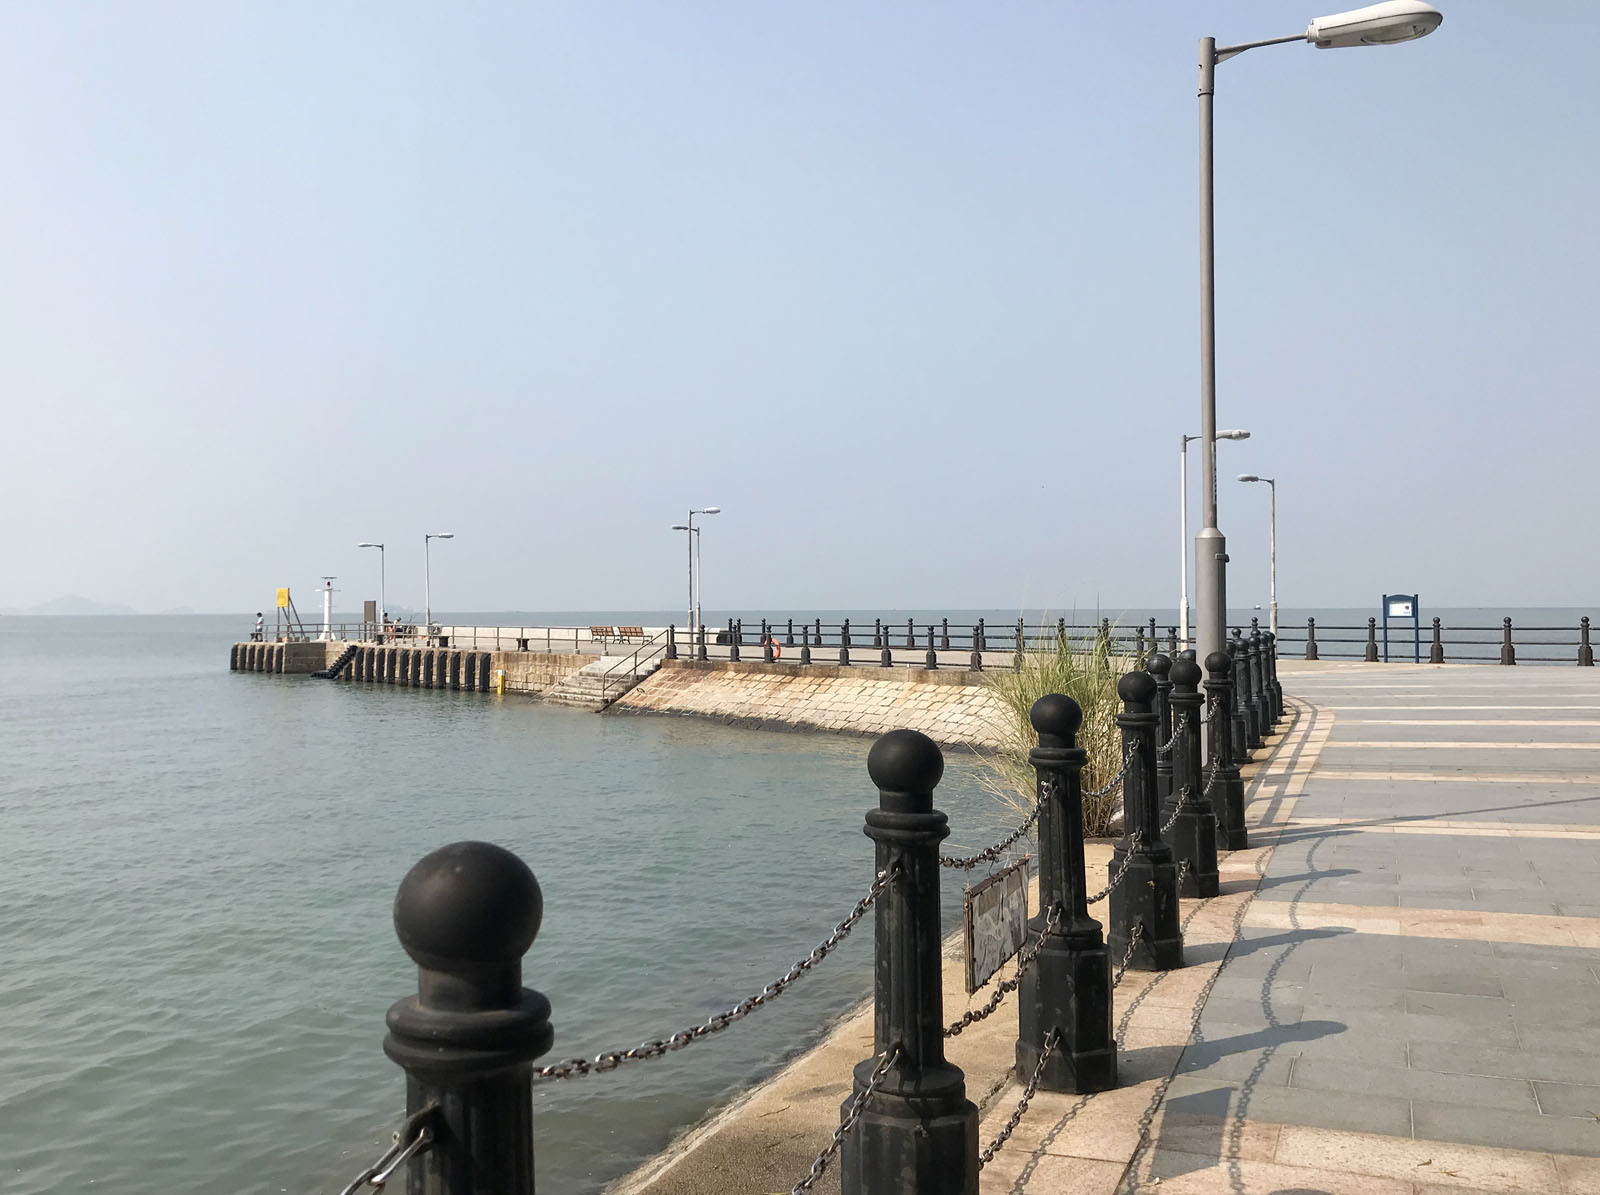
x,y
283,599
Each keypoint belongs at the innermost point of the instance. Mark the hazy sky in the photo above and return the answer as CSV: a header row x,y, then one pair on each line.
x,y
909,289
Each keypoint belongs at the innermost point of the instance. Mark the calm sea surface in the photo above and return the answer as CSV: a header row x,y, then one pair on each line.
x,y
197,878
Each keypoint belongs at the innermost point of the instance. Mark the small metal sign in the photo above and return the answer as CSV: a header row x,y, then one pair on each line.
x,y
1401,607
995,912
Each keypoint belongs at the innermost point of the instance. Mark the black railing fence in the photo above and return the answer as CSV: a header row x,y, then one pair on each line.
x,y
471,1038
1441,643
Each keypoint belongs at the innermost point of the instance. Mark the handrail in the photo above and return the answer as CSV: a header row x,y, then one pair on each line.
x,y
605,677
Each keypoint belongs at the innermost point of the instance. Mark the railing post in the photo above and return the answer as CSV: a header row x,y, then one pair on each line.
x,y
933,656
805,645
1372,641
700,652
1585,651
1147,896
1269,643
1139,658
1244,676
919,1132
788,640
1239,726
467,914
877,632
1153,645
672,642
1160,667
975,664
1194,833
1311,639
844,642
911,635
980,637
1061,634
1258,685
886,653
1017,663
944,634
1068,989
816,634
1172,642
1508,654
1227,788
1436,652
766,643
735,638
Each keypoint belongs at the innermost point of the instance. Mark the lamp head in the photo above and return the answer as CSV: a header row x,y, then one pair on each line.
x,y
369,545
1248,477
680,527
709,510
1375,25
1234,434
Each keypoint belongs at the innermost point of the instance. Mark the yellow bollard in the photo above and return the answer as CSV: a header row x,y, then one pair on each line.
x,y
500,681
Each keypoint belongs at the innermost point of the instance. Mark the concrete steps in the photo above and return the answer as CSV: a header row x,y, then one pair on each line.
x,y
597,685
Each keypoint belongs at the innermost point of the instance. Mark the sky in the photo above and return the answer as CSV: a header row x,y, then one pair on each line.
x,y
909,290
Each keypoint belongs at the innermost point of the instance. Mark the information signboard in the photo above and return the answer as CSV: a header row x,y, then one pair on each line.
x,y
995,913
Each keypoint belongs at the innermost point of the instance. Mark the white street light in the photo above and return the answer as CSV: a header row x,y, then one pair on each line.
x,y
383,599
427,579
1183,526
1377,24
1272,543
694,566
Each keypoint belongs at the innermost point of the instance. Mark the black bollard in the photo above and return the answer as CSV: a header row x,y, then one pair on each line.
x,y
1239,726
944,634
1061,634
1068,990
767,645
1138,648
1194,827
805,647
1154,646
877,632
467,914
1172,641
1159,667
1258,685
700,652
918,1133
672,642
788,640
1585,651
816,634
933,656
844,642
1508,654
886,653
1274,689
911,635
1372,641
980,637
735,638
976,662
1147,895
1223,780
1311,639
1017,663
1436,652
1244,676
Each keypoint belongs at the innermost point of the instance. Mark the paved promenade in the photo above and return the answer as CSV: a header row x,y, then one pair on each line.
x,y
1397,991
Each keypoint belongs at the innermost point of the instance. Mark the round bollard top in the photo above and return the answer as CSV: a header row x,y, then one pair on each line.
x,y
468,904
1219,663
905,761
1136,688
1186,673
1057,715
1158,665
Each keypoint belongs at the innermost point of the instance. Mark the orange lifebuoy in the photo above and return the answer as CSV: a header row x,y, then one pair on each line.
x,y
777,652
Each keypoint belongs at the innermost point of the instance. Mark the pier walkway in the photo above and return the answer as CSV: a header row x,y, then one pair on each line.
x,y
1398,991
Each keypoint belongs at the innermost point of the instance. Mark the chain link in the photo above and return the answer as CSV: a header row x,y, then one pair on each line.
x,y
1181,724
609,1061
1022,1105
1025,959
1133,942
1127,862
1133,751
412,1138
849,1121
994,852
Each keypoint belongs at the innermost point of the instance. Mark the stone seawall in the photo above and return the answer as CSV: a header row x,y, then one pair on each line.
x,y
952,708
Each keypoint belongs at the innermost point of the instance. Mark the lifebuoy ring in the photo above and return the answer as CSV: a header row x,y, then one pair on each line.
x,y
777,652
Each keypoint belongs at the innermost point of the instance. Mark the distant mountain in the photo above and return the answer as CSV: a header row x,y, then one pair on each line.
x,y
185,610
72,604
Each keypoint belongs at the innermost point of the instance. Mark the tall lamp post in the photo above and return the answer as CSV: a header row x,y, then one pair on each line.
x,y
694,534
383,599
1183,526
1272,545
427,579
1377,24
694,564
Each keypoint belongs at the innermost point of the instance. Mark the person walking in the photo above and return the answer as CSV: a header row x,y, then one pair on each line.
x,y
261,624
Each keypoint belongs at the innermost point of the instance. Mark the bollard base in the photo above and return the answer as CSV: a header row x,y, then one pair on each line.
x,y
1228,806
1147,896
923,1140
1193,838
1069,990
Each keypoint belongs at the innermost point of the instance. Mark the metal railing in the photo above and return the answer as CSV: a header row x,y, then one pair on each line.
x,y
628,666
1441,642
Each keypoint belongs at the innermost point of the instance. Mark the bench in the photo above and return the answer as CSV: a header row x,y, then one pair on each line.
x,y
629,634
601,634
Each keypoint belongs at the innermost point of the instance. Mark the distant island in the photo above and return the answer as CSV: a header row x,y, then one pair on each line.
x,y
71,604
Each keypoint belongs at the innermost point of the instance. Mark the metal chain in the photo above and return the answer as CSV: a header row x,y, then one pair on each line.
x,y
1127,760
1025,959
994,852
1183,870
1127,862
1133,941
1182,724
412,1138
610,1060
849,1121
1177,810
1022,1105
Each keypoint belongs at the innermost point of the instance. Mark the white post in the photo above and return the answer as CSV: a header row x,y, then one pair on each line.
x,y
1183,540
1272,608
327,609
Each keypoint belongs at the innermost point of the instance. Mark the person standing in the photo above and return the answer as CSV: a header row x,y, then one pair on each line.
x,y
261,623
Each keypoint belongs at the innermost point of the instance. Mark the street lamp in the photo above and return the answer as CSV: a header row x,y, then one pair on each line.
x,y
1272,543
1377,24
694,564
1183,525
427,579
383,600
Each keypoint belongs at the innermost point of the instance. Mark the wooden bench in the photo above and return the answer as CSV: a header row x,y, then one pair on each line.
x,y
629,634
601,634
